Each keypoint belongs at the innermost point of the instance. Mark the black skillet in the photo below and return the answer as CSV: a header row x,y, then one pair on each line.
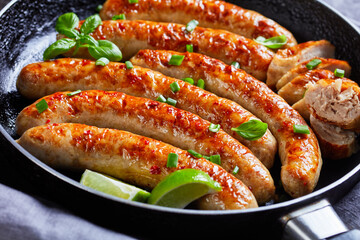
x,y
27,28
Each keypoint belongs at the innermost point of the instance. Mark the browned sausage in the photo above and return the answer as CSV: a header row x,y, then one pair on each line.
x,y
299,153
72,74
132,36
209,14
286,59
132,158
156,120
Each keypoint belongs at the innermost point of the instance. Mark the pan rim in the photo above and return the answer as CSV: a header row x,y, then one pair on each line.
x,y
278,206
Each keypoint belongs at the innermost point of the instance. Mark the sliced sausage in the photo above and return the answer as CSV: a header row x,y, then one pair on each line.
x,y
335,143
286,59
326,63
335,102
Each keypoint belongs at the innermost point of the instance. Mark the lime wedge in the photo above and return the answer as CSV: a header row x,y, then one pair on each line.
x,y
112,186
182,187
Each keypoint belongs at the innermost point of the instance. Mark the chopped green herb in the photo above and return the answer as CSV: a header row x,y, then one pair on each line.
x,y
215,159
171,101
42,106
161,98
172,160
129,65
303,129
235,64
251,130
201,83
273,43
236,170
189,80
119,17
191,25
206,157
74,93
102,62
176,60
214,127
339,73
133,1
99,7
195,154
175,87
313,64
189,48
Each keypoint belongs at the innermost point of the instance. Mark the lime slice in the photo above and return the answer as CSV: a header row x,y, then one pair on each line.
x,y
112,186
182,187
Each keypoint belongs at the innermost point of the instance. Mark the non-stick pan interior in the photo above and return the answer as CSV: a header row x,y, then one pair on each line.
x,y
27,28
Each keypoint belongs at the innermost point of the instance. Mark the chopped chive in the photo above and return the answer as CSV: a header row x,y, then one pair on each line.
x,y
189,80
99,7
236,170
161,98
119,17
175,87
313,64
176,60
74,93
273,43
129,65
195,154
339,73
191,25
215,159
189,48
201,83
206,157
214,127
133,1
102,62
172,160
303,129
171,101
42,106
235,64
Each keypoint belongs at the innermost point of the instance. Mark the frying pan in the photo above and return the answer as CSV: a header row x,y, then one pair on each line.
x,y
27,28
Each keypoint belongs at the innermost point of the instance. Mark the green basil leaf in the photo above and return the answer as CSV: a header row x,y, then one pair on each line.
x,y
273,43
87,39
90,24
251,130
66,22
70,33
59,47
106,49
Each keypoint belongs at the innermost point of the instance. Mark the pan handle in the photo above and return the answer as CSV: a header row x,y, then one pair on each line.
x,y
316,221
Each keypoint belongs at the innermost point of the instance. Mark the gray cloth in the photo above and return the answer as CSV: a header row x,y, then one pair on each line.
x,y
25,217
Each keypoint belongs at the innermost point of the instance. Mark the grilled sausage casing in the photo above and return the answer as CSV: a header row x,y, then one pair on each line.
x,y
132,158
299,153
40,79
156,120
210,14
132,36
